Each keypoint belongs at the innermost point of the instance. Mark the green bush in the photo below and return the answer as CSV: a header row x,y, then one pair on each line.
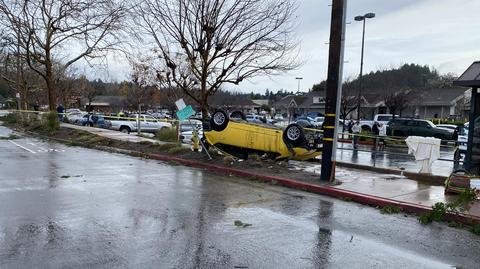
x,y
167,135
52,123
9,118
448,121
390,210
366,135
476,229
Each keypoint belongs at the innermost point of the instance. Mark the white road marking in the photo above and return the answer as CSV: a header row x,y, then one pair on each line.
x,y
20,146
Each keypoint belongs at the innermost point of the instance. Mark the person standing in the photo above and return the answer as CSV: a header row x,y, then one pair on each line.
x,y
349,126
382,133
375,130
356,133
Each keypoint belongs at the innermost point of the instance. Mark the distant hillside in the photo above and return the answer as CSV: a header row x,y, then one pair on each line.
x,y
412,76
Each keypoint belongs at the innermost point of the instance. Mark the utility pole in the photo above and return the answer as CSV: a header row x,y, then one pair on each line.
x,y
334,88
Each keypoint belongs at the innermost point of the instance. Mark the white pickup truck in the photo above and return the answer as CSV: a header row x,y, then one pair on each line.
x,y
380,118
148,124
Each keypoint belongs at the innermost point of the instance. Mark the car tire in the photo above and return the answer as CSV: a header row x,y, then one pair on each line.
x,y
125,129
294,135
238,115
366,128
219,120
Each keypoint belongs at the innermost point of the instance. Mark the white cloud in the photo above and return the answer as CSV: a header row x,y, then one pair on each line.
x,y
440,33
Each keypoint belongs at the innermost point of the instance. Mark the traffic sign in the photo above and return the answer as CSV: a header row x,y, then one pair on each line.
x,y
185,113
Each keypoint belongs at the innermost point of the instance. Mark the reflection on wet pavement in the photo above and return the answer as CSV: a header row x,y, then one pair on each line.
x,y
81,208
394,158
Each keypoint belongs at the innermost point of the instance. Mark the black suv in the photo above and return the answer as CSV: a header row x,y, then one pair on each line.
x,y
417,127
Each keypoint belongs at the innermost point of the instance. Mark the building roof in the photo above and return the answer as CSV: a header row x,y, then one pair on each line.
x,y
308,102
287,100
260,102
471,76
441,96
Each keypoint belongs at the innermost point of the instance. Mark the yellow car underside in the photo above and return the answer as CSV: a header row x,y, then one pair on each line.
x,y
258,138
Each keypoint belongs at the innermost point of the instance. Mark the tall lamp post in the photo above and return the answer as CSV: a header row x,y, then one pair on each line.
x,y
298,88
362,18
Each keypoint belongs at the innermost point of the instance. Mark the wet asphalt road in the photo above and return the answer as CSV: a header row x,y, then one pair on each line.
x,y
69,207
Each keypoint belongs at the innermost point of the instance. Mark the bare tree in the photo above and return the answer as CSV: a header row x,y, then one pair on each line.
x,y
141,88
204,44
347,105
67,89
16,73
88,91
65,31
398,101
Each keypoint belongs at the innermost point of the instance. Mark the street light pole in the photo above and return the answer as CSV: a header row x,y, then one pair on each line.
x,y
298,88
359,100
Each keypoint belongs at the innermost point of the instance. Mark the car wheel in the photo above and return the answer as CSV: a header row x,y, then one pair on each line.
x,y
294,135
219,120
125,129
238,115
366,128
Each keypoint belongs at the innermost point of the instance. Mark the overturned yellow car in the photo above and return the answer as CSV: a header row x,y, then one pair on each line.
x,y
241,138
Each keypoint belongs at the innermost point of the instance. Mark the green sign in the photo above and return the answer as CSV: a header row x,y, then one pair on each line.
x,y
185,113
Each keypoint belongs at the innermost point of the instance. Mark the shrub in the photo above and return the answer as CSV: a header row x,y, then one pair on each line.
x,y
167,135
52,123
390,210
10,118
177,149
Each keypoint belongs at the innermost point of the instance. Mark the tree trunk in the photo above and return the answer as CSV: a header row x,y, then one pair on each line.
x,y
49,81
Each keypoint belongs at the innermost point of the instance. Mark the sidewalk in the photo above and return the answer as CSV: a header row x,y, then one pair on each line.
x,y
112,134
374,188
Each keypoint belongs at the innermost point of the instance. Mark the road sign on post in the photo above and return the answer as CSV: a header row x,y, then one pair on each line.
x,y
334,88
185,113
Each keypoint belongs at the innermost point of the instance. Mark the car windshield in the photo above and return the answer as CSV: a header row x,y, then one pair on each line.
x,y
384,118
463,131
427,122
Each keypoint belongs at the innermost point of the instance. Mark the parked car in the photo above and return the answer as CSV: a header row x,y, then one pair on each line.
x,y
463,138
74,116
418,127
148,124
447,126
72,110
186,129
241,138
160,115
94,121
380,118
278,117
4,113
253,118
308,122
314,115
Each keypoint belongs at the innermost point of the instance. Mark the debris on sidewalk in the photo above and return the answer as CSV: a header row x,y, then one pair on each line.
x,y
239,223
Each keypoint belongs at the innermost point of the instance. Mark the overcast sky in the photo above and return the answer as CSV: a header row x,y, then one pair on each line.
x,y
444,34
